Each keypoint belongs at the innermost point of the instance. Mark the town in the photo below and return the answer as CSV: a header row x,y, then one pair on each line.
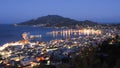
x,y
27,54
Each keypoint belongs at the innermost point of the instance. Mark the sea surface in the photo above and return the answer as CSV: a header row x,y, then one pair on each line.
x,y
10,33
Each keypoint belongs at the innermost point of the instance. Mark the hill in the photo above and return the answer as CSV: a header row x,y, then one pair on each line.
x,y
56,20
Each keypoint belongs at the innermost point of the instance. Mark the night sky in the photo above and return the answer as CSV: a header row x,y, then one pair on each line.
x,y
104,11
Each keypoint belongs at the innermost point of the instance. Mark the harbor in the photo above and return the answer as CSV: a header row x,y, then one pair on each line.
x,y
29,53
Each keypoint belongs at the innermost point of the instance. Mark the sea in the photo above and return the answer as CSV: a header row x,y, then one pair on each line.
x,y
11,33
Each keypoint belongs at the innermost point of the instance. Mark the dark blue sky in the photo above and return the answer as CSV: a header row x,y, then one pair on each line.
x,y
14,11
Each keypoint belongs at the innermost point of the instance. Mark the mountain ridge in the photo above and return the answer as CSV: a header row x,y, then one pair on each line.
x,y
56,20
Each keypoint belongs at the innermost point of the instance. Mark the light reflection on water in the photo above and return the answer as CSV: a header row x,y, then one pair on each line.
x,y
73,32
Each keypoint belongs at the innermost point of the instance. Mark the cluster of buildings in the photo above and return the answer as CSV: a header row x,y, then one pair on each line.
x,y
25,53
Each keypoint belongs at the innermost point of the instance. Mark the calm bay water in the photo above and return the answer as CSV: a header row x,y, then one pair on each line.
x,y
9,33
